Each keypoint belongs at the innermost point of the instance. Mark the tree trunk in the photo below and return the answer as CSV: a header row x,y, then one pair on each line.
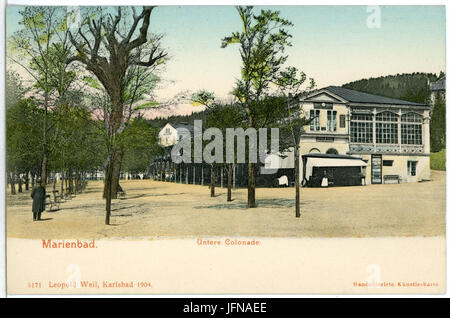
x,y
297,181
115,121
115,174
251,200
19,181
234,176
32,180
71,188
13,187
78,181
112,173
106,181
44,170
27,181
213,181
108,186
54,182
77,184
67,182
251,196
229,181
12,183
62,184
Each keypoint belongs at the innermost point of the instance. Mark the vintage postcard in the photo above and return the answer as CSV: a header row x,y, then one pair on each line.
x,y
172,149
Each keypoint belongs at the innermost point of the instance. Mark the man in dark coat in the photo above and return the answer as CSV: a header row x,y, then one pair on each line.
x,y
38,195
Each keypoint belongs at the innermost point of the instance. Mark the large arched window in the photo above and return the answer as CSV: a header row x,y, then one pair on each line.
x,y
386,128
411,129
361,128
332,151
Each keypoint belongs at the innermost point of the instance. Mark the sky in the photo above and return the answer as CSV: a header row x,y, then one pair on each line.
x,y
332,44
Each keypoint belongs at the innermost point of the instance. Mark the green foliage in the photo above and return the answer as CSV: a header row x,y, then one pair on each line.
x,y
290,80
75,139
14,90
178,119
34,21
23,135
437,124
262,43
77,143
203,98
92,82
411,87
40,47
139,142
437,160
56,125
147,105
42,43
51,68
291,120
139,83
223,117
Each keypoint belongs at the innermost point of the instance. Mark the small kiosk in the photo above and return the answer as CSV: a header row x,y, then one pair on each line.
x,y
340,170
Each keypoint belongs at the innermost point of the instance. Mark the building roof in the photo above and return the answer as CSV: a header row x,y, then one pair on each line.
x,y
366,98
439,85
326,155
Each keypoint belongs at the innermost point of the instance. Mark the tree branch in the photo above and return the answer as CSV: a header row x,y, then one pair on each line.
x,y
142,38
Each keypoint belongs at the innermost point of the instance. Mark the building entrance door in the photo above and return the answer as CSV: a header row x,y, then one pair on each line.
x,y
377,164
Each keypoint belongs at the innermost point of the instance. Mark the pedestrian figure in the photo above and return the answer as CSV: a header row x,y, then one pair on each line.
x,y
38,195
324,180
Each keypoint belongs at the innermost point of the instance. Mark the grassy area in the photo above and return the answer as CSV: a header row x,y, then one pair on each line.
x,y
437,160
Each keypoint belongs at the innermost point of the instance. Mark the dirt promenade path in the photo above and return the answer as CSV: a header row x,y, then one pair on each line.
x,y
155,209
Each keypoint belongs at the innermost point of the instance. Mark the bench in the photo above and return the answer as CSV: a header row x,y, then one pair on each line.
x,y
57,197
51,203
391,177
67,195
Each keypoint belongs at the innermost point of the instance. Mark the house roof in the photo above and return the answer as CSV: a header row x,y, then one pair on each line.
x,y
185,126
439,85
366,98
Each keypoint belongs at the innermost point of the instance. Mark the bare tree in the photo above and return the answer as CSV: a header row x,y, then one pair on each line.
x,y
109,45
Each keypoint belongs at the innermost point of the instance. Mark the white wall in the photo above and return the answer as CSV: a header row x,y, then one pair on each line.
x,y
167,136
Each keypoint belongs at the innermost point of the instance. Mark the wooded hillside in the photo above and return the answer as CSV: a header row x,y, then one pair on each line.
x,y
411,87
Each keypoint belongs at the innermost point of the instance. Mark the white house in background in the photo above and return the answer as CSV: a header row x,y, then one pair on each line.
x,y
171,134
